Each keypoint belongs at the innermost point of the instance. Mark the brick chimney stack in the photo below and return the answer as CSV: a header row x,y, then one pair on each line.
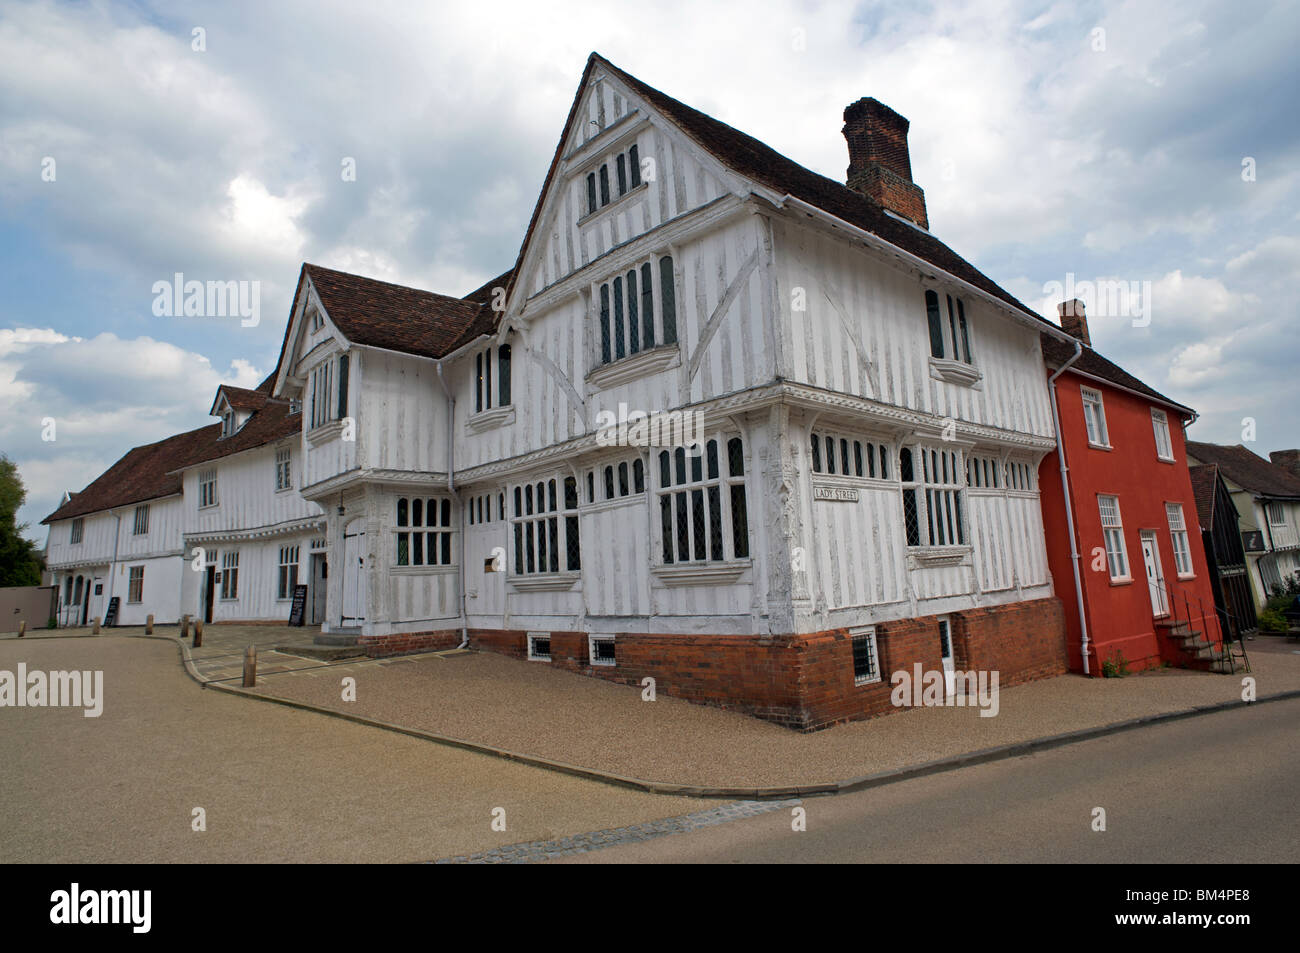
x,y
1073,320
879,164
1289,459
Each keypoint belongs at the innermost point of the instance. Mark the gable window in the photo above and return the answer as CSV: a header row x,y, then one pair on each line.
x,y
949,334
208,487
288,576
78,527
629,322
423,532
227,423
627,176
141,527
135,585
1164,445
230,574
485,395
702,511
315,319
283,469
866,667
1112,529
544,523
1178,536
932,498
1094,417
846,457
329,391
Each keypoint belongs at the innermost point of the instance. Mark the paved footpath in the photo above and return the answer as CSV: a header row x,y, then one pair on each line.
x,y
276,784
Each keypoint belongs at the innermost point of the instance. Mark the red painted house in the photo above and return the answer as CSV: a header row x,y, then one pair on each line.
x,y
1123,540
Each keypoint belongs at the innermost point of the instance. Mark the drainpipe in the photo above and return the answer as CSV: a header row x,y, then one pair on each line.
x,y
117,539
1069,505
451,486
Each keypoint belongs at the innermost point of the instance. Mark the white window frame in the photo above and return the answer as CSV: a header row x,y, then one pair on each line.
x,y
409,528
533,654
612,478
141,522
1179,540
868,633
135,585
287,576
487,377
934,495
1164,440
1275,513
283,469
679,495
208,488
954,328
230,575
613,301
840,455
1095,422
1112,532
323,411
534,523
592,639
77,532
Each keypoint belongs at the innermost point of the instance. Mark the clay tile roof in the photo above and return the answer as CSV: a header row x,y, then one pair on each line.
x,y
273,422
144,473
486,321
1248,470
392,316
1056,353
763,164
1205,480
241,398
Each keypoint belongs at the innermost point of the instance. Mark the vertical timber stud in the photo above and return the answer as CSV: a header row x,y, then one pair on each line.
x,y
250,666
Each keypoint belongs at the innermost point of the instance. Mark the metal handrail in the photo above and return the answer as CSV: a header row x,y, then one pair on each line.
x,y
1224,641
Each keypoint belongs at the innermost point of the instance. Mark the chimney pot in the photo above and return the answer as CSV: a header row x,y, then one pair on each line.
x,y
880,166
1073,320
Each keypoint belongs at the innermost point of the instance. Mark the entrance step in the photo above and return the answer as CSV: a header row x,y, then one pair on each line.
x,y
323,653
344,637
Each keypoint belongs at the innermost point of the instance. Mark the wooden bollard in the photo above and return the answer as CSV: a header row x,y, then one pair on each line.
x,y
95,629
148,624
250,667
185,627
198,633
22,629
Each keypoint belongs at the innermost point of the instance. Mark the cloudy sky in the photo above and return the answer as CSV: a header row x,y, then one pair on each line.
x,y
1153,144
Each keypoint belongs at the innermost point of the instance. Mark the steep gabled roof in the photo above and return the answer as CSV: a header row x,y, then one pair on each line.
x,y
486,321
1205,484
268,424
1056,353
144,473
240,398
391,316
1248,470
761,163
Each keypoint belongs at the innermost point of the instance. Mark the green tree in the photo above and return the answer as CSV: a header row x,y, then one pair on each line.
x,y
20,563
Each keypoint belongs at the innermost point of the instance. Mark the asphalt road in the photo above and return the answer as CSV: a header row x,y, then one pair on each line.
x,y
1219,788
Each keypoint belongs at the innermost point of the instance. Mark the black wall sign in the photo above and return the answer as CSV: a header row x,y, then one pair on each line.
x,y
299,607
110,617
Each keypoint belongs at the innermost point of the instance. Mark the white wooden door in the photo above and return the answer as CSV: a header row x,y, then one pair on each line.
x,y
354,573
1155,578
945,646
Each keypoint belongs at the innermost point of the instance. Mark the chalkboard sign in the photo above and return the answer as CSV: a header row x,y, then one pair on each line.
x,y
110,617
297,611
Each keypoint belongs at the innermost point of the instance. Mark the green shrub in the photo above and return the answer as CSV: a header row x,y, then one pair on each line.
x,y
52,623
1115,667
1272,620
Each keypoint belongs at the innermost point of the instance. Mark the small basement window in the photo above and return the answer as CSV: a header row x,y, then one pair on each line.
x,y
866,664
600,649
539,646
